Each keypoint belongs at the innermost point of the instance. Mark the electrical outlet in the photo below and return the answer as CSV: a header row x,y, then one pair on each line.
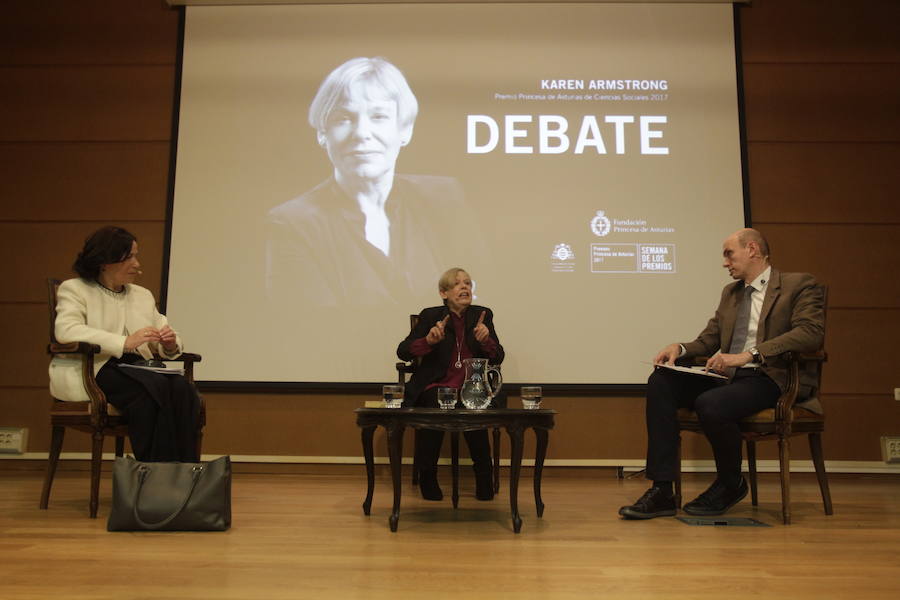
x,y
890,448
896,393
13,440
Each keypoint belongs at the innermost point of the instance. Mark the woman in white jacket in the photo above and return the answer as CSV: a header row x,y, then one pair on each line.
x,y
103,306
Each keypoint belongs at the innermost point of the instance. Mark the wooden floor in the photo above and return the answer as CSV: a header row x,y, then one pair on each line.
x,y
305,536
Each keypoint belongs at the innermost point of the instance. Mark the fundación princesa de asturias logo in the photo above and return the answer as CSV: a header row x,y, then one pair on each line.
x,y
600,224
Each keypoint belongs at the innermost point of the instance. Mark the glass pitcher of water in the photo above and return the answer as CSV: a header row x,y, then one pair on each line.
x,y
477,390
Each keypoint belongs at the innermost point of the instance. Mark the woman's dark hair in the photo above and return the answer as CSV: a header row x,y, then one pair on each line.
x,y
105,246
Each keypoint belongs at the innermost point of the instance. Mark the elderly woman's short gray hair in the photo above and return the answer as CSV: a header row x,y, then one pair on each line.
x,y
448,279
374,71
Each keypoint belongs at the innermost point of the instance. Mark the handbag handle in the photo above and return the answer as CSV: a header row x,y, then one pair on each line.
x,y
143,473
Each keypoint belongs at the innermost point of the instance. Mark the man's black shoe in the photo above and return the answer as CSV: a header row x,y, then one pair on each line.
x,y
717,499
428,485
656,502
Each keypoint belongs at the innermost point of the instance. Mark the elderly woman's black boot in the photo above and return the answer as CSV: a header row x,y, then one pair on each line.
x,y
484,482
428,485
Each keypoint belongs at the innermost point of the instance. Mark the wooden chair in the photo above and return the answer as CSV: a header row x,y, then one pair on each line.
x,y
96,417
404,369
780,423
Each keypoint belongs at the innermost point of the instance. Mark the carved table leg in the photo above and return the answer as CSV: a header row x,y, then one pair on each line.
x,y
454,466
369,453
496,460
395,450
540,454
516,442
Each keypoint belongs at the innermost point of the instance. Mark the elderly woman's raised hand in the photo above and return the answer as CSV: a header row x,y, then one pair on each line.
x,y
481,331
436,333
141,336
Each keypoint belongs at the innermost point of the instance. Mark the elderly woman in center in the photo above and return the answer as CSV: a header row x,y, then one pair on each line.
x,y
445,336
366,235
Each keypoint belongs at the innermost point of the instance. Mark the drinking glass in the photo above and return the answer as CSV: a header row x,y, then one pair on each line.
x,y
446,397
393,396
531,397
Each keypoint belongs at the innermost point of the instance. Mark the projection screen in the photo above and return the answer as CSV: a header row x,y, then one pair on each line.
x,y
581,161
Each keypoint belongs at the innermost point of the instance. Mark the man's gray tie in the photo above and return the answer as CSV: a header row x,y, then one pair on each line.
x,y
741,323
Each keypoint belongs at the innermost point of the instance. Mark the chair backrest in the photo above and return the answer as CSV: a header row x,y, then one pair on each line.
x,y
404,369
413,322
813,369
824,289
52,292
95,410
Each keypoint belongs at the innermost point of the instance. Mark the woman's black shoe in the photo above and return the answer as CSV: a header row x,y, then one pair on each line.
x,y
428,485
484,485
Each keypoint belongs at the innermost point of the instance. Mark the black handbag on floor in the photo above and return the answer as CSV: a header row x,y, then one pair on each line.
x,y
171,496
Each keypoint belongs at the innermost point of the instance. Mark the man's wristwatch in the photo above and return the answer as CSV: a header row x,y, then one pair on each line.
x,y
757,357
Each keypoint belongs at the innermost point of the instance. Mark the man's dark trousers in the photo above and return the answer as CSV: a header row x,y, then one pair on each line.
x,y
719,407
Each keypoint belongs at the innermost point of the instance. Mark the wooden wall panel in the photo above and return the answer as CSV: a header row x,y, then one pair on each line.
x,y
586,427
282,424
95,32
859,345
595,427
854,260
29,407
84,181
824,182
52,247
813,31
29,325
836,103
87,103
854,426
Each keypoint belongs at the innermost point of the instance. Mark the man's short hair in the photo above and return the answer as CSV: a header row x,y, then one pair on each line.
x,y
373,71
752,235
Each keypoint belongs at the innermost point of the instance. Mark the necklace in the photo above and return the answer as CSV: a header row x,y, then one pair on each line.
x,y
458,364
113,293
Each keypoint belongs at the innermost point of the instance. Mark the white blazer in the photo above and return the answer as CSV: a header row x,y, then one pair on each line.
x,y
85,312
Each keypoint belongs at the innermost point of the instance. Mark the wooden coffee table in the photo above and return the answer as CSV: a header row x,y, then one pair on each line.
x,y
514,421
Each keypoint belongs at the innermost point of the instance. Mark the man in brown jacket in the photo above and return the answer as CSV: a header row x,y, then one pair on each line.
x,y
762,315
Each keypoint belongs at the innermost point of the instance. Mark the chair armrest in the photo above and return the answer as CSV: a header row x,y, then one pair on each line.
x,y
184,357
795,360
73,348
188,358
821,356
404,369
99,412
784,407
